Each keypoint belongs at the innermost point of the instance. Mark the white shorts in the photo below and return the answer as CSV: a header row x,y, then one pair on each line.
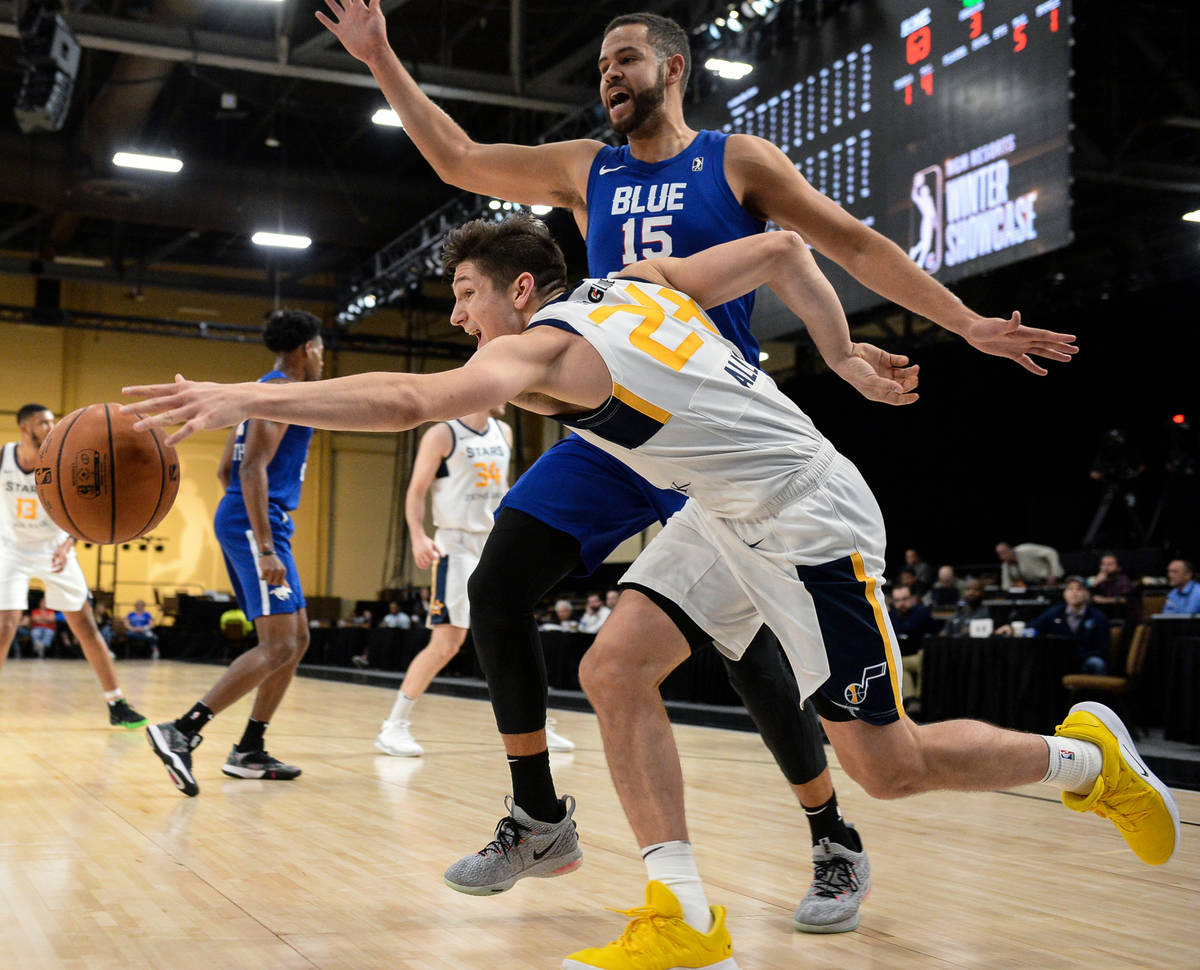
x,y
448,597
66,591
812,572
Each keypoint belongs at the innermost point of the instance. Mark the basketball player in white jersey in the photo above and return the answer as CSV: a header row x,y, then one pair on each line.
x,y
780,529
31,545
462,466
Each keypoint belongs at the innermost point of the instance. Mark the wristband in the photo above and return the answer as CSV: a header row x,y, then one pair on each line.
x,y
265,552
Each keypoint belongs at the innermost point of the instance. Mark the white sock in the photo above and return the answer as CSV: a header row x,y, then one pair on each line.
x,y
674,865
1074,764
402,707
113,695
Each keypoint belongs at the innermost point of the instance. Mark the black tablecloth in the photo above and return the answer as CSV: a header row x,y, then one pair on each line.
x,y
1181,700
1164,632
1014,682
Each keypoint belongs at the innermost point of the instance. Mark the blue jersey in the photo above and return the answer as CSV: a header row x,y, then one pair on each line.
x,y
637,210
676,207
285,473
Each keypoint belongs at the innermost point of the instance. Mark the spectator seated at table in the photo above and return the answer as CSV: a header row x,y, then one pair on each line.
x,y
947,590
970,607
563,618
1076,618
1184,597
610,598
1111,585
594,614
1028,564
908,578
911,619
395,618
419,610
43,624
921,570
139,628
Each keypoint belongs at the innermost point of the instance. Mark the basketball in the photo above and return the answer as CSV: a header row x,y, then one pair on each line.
x,y
101,480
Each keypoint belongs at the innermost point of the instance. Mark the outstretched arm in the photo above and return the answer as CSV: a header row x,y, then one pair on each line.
x,y
768,185
552,174
782,261
499,371
436,445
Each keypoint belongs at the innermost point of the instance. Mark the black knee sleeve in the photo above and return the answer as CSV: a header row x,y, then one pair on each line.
x,y
522,560
764,681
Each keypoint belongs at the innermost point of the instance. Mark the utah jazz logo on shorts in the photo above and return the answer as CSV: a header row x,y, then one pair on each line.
x,y
857,693
436,606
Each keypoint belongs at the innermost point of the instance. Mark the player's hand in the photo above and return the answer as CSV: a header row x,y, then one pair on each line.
x,y
880,376
58,562
198,406
272,570
360,27
425,551
1009,338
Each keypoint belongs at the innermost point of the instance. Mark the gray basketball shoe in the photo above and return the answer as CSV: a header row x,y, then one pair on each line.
x,y
175,749
523,846
841,881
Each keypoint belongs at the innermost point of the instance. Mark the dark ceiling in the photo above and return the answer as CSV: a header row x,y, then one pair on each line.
x,y
299,152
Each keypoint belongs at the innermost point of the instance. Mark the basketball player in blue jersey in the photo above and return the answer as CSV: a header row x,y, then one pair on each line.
x,y
670,191
780,528
262,470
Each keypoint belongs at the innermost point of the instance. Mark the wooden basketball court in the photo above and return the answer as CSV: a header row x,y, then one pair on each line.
x,y
104,864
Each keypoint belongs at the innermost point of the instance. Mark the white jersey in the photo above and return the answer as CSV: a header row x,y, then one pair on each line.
x,y
23,521
687,411
472,479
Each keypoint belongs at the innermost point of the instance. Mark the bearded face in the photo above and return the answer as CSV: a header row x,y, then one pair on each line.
x,y
629,109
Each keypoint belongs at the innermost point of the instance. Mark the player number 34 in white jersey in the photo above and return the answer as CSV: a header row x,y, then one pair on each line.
x,y
472,478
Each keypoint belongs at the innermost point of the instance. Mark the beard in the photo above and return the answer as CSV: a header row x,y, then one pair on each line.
x,y
645,103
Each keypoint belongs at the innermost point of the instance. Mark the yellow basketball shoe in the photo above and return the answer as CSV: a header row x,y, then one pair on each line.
x,y
1127,793
657,938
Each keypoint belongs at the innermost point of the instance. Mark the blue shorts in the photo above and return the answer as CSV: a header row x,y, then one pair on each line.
x,y
255,597
585,492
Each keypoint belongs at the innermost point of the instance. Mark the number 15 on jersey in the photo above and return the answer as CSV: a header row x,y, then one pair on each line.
x,y
650,233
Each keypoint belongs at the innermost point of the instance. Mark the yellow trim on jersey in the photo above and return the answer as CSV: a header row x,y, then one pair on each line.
x,y
626,396
860,573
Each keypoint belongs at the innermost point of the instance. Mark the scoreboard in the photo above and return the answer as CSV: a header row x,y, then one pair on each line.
x,y
944,125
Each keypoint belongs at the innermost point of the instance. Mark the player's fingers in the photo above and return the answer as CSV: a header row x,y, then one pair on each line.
x,y
1050,353
1027,362
336,8
185,432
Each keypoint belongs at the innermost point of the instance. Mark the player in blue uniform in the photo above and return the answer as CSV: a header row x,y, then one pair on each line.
x,y
671,191
262,470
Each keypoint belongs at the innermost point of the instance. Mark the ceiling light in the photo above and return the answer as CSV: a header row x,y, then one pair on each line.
x,y
150,163
763,355
1193,216
387,118
734,24
369,300
541,210
494,204
733,70
78,261
280,239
